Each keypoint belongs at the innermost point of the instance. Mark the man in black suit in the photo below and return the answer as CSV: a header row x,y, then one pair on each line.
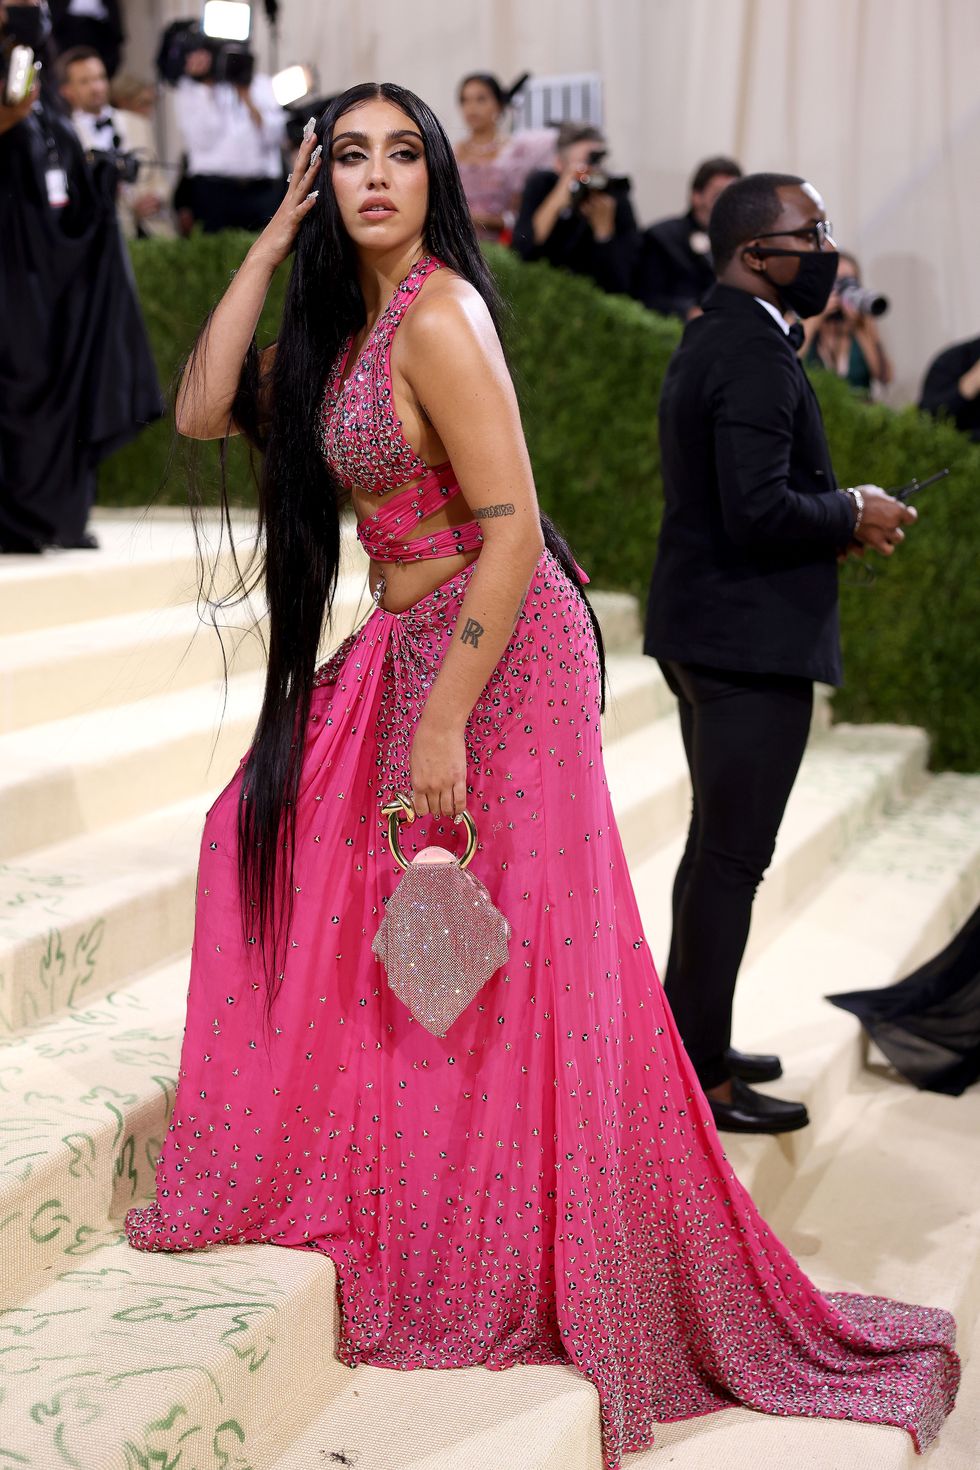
x,y
673,270
743,603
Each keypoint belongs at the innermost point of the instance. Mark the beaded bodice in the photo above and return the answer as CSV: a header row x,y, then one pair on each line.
x,y
361,434
364,445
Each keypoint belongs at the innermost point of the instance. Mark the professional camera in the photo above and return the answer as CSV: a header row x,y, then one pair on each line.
x,y
860,298
126,163
597,181
231,61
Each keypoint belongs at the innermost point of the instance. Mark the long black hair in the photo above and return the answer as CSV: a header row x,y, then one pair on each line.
x,y
299,500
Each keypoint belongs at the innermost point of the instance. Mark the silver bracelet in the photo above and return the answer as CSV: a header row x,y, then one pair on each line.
x,y
858,500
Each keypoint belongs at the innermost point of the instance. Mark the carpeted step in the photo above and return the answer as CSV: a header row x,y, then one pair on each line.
x,y
123,1360
80,918
849,775
76,668
70,776
897,899
142,562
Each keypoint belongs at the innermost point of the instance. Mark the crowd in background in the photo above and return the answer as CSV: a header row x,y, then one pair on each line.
x,y
549,193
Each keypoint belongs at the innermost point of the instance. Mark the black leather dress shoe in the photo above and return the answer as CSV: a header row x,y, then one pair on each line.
x,y
85,542
755,1112
751,1067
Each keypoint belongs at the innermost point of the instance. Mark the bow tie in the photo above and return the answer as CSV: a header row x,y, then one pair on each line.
x,y
795,336
103,122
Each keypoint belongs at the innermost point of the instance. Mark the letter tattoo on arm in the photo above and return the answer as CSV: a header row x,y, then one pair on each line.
x,y
472,633
491,512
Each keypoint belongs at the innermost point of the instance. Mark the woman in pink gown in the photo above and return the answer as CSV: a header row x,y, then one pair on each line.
x,y
544,1184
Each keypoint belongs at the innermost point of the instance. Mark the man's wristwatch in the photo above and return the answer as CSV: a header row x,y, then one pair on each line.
x,y
857,499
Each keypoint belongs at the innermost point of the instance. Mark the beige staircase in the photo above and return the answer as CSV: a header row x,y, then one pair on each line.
x,y
110,751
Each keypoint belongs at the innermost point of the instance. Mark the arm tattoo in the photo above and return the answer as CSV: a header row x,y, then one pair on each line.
x,y
490,512
472,633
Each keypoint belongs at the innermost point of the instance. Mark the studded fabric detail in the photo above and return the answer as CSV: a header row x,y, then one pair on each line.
x,y
362,439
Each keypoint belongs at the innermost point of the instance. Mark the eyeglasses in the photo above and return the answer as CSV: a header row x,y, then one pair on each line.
x,y
822,235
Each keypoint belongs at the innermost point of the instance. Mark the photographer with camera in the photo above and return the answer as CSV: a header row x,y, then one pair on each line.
x,y
233,130
844,339
84,84
77,380
579,216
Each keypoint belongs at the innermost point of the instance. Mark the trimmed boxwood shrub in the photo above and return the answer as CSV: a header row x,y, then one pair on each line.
x,y
589,369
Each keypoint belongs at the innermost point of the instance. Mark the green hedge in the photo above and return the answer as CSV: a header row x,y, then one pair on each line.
x,y
589,369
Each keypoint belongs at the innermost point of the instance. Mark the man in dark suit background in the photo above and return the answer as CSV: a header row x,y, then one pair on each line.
x,y
743,602
673,269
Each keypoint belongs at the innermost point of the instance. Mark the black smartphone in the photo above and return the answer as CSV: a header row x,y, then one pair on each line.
x,y
905,492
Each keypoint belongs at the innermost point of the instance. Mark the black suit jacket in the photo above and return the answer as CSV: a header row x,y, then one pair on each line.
x,y
669,276
746,571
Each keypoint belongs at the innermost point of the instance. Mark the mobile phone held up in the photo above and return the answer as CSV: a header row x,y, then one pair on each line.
x,y
22,70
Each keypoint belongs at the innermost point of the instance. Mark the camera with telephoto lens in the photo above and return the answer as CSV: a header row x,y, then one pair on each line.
x,y
597,181
860,299
231,61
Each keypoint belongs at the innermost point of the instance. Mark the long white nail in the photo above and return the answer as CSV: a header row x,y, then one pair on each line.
x,y
316,154
309,130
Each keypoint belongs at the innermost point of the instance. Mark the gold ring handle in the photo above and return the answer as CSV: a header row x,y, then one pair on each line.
x,y
400,809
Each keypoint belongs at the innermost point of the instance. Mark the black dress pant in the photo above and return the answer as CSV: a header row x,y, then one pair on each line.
x,y
744,736
221,203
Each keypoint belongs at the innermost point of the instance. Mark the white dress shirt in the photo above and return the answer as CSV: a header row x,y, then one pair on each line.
x,y
220,134
98,131
775,313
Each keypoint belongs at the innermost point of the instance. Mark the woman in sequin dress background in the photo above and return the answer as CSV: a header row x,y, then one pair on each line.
x,y
544,1184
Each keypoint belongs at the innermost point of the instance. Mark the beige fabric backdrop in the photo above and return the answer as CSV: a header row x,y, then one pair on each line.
x,y
876,101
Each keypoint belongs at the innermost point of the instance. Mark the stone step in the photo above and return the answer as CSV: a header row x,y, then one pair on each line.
x,y
81,774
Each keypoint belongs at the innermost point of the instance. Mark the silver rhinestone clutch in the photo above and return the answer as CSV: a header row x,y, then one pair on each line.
x,y
441,939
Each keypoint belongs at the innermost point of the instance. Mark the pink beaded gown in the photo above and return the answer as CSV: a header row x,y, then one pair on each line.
x,y
544,1184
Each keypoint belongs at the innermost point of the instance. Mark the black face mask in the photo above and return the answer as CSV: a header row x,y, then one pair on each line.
x,y
29,25
810,292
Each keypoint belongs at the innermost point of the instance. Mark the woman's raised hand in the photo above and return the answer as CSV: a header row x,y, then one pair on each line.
x,y
276,240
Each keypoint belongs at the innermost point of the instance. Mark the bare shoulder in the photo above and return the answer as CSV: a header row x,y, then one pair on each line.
x,y
449,313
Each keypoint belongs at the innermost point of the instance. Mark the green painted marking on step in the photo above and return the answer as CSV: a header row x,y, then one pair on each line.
x,y
35,1226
